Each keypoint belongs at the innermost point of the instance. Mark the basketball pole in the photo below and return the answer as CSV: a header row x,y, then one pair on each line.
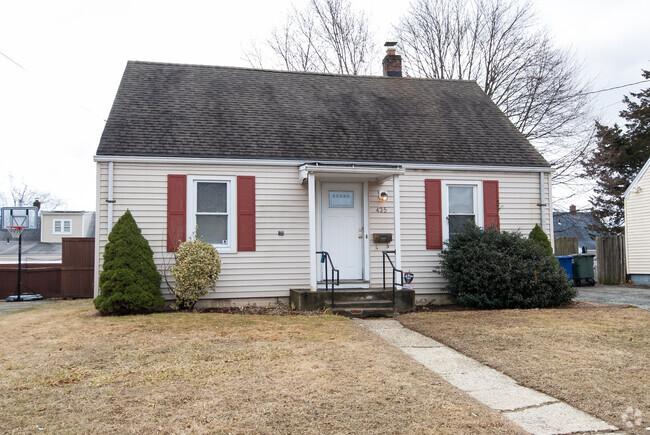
x,y
20,267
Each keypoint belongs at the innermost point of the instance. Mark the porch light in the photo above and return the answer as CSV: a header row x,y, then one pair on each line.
x,y
383,196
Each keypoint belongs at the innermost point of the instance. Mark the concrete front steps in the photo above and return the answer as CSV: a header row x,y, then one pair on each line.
x,y
355,302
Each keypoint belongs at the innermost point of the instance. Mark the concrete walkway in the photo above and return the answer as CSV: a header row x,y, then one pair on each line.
x,y
535,412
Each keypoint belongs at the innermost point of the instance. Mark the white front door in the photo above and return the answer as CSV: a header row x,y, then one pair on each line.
x,y
342,228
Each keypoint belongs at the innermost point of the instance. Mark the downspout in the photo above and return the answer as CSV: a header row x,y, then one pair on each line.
x,y
550,210
542,204
313,262
110,199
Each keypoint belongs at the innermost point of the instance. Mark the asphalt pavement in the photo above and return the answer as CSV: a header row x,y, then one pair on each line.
x,y
636,295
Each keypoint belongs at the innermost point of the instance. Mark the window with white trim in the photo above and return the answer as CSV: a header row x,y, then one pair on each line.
x,y
210,211
462,201
62,226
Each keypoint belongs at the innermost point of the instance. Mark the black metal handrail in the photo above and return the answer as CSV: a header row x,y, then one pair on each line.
x,y
401,273
325,258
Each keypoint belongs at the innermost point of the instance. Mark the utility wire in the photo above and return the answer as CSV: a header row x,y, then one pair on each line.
x,y
615,87
13,61
79,104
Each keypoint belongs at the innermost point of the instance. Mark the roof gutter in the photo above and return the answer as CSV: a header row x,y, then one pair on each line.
x,y
295,162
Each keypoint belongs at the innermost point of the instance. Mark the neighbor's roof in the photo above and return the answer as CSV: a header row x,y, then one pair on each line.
x,y
578,224
222,112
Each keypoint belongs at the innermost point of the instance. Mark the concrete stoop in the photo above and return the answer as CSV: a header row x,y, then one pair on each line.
x,y
533,411
355,302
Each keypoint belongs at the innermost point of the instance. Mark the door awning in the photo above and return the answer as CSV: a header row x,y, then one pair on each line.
x,y
351,171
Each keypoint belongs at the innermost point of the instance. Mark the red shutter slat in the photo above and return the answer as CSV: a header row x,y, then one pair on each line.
x,y
433,210
491,205
245,213
176,211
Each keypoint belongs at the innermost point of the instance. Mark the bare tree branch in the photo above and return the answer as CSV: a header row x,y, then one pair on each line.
x,y
497,44
22,195
326,36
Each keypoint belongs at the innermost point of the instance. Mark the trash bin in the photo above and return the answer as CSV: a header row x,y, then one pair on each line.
x,y
566,261
583,269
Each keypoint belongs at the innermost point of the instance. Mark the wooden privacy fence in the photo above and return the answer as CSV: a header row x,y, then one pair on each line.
x,y
566,245
610,251
72,278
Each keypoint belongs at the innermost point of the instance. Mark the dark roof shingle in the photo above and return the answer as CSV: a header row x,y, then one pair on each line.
x,y
222,112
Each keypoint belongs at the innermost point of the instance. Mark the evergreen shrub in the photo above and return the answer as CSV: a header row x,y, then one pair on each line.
x,y
490,269
196,271
538,235
129,282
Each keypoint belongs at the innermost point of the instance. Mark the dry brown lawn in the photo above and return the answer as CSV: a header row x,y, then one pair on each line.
x,y
594,357
66,369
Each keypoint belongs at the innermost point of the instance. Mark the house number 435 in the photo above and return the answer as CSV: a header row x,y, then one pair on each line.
x,y
382,210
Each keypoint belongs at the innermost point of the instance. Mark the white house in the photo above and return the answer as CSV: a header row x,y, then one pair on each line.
x,y
637,229
274,167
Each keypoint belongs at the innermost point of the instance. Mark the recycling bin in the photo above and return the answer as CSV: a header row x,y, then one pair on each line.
x,y
583,269
566,261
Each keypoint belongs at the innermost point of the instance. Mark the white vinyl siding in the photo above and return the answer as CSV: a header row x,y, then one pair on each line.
x,y
380,220
279,263
519,194
637,235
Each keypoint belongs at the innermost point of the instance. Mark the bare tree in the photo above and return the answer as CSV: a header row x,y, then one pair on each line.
x,y
326,36
22,195
497,44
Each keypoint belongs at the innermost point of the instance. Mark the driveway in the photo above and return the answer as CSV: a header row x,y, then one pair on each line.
x,y
639,296
6,307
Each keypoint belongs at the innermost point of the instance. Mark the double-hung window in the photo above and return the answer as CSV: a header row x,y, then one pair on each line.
x,y
211,211
462,202
62,226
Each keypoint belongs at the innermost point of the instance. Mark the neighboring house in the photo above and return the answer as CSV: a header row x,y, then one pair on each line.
x,y
637,227
58,224
44,245
272,167
578,224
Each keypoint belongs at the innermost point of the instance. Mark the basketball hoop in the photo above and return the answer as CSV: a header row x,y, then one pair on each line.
x,y
15,230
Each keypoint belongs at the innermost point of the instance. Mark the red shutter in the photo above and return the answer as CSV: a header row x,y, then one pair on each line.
x,y
433,210
245,213
176,210
491,205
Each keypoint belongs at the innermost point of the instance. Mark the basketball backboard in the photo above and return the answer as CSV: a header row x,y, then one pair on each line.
x,y
19,216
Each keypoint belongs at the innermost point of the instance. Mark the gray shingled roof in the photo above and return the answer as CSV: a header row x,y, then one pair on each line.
x,y
222,112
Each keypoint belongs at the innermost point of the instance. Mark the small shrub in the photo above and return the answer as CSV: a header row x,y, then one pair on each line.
x,y
196,271
489,269
129,282
538,236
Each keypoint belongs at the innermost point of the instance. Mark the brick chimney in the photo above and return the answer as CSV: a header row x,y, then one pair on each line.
x,y
572,209
392,62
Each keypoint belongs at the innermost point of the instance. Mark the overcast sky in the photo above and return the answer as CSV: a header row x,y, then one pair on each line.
x,y
72,55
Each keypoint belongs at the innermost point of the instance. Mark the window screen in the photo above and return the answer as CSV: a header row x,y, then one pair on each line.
x,y
212,212
461,207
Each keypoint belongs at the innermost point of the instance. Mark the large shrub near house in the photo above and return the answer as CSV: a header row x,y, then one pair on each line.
x,y
492,269
196,271
129,282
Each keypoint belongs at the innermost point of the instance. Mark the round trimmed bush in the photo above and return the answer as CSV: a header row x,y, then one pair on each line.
x,y
196,271
129,282
491,269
